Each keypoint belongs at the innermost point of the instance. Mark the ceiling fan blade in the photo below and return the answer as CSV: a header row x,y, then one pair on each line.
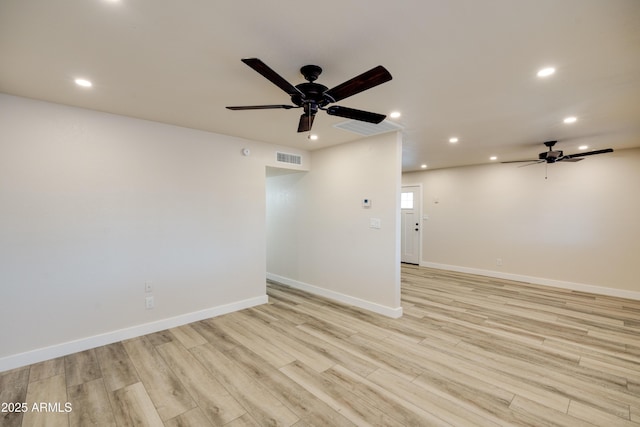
x,y
521,161
569,159
262,107
364,81
533,162
272,76
306,121
588,153
352,113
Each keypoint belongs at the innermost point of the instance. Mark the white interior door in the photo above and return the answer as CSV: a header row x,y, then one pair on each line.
x,y
410,206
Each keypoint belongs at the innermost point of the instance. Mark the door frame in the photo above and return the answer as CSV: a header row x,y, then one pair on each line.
x,y
419,211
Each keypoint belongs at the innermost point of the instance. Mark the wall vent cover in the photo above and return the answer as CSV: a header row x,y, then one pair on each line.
x,y
293,159
368,129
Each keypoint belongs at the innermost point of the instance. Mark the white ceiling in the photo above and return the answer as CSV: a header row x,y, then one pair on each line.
x,y
464,68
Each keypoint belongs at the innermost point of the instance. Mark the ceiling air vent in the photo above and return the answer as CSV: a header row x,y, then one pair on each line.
x,y
293,159
368,129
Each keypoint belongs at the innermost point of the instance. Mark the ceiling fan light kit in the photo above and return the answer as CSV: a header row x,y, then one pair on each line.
x,y
312,97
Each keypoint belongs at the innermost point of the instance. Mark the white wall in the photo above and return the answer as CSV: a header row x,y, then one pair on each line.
x,y
93,205
319,235
578,227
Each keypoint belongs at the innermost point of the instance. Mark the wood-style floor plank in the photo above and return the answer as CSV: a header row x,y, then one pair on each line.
x,y
116,367
353,408
468,351
163,386
211,397
13,389
81,367
46,369
397,407
188,336
296,397
192,418
251,394
132,407
46,401
90,405
242,332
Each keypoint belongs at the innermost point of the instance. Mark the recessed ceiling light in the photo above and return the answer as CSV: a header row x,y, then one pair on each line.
x,y
546,72
395,114
453,140
83,83
493,158
583,147
571,119
313,137
423,166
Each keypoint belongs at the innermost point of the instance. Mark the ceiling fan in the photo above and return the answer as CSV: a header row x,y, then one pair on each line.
x,y
554,156
312,96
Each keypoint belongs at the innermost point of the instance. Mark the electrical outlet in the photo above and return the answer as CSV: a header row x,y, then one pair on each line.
x,y
498,261
149,304
148,287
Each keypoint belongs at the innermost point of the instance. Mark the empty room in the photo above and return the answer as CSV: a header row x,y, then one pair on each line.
x,y
342,213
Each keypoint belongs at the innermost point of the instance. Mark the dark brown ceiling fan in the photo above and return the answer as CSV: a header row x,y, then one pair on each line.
x,y
554,156
311,96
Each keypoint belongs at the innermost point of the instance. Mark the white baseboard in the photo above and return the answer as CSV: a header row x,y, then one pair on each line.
x,y
581,287
392,312
58,350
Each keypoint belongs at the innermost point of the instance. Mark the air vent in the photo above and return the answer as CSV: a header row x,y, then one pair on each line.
x,y
368,129
293,159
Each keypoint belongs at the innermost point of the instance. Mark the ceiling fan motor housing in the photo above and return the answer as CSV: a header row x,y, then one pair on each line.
x,y
550,156
313,97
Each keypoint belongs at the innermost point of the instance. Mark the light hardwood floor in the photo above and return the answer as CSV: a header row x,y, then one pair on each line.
x,y
469,351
